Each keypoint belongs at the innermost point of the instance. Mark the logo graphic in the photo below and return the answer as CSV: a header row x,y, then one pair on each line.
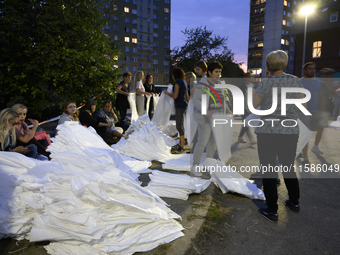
x,y
208,92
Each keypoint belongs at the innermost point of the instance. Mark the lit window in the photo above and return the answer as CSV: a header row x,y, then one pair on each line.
x,y
134,40
260,45
283,41
333,17
115,8
285,3
126,39
284,22
166,10
317,49
126,9
115,66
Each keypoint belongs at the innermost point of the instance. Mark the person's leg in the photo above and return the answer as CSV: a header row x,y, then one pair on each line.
x,y
286,154
180,125
267,151
40,148
203,135
32,153
150,108
319,135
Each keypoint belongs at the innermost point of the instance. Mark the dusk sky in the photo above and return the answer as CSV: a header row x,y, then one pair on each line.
x,y
228,18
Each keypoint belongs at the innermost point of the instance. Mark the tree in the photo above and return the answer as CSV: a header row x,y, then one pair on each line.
x,y
201,44
54,51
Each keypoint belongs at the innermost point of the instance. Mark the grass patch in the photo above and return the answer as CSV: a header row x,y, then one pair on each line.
x,y
215,213
162,249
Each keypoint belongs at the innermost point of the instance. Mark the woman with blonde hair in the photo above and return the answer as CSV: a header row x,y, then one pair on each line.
x,y
140,92
70,112
25,136
278,139
8,120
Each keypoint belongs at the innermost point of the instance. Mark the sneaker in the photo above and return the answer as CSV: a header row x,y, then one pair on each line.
x,y
175,147
194,172
294,208
272,217
316,150
179,150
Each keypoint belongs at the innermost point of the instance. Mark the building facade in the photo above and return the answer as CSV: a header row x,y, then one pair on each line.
x,y
142,30
269,26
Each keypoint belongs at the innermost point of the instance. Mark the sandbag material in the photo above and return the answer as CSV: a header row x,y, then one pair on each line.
x,y
137,124
190,125
82,201
147,143
164,108
227,180
155,101
132,101
175,185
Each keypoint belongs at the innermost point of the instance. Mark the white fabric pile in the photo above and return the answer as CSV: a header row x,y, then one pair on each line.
x,y
132,102
227,180
137,124
165,107
179,162
81,200
175,185
147,143
335,124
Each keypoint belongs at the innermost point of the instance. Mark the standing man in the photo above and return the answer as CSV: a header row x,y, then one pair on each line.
x,y
314,106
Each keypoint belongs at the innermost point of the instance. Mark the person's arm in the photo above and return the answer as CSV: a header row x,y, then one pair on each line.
x,y
120,91
29,133
20,149
174,95
301,95
114,115
187,96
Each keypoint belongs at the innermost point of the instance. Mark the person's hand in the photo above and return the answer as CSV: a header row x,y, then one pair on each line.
x,y
34,122
21,149
29,132
109,124
166,92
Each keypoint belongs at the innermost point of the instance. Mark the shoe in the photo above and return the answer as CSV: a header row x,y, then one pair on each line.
x,y
300,155
272,217
175,147
241,141
294,208
305,162
194,172
179,150
316,150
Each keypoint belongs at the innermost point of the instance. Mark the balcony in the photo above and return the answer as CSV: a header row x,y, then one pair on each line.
x,y
257,13
255,49
256,39
256,31
254,57
255,4
256,21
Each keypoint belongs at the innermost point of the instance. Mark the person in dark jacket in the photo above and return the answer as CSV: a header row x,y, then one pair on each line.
x,y
150,87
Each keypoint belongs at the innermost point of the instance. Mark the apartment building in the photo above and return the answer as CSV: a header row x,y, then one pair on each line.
x,y
269,26
142,29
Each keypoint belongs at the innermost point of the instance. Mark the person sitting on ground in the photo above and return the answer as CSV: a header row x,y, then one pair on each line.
x,y
108,113
25,136
99,124
70,112
8,120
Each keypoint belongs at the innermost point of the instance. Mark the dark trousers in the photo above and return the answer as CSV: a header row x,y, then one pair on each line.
x,y
180,120
40,144
283,147
122,108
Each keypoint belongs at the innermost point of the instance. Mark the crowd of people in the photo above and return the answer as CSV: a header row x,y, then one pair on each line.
x,y
275,142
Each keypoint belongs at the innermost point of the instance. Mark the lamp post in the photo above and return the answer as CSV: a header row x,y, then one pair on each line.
x,y
308,9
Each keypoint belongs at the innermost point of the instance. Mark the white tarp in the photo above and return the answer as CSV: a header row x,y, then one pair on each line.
x,y
227,180
148,100
155,101
179,162
175,185
137,124
81,200
132,101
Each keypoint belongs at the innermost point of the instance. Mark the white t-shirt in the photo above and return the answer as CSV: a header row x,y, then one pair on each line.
x,y
140,86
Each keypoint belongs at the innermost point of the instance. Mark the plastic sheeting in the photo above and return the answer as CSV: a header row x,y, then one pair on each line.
x,y
155,101
132,101
175,185
147,143
228,180
81,200
137,124
179,162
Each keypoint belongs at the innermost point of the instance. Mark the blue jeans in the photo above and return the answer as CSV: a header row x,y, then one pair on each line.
x,y
32,152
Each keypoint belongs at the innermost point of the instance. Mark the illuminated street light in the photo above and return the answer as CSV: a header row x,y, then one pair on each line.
x,y
306,10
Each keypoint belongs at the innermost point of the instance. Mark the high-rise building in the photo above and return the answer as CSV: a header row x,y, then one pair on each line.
x,y
142,28
270,23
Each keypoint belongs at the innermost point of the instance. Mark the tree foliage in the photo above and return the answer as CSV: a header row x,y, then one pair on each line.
x,y
202,44
54,51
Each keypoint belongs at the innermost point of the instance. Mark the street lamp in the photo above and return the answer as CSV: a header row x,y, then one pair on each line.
x,y
306,10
